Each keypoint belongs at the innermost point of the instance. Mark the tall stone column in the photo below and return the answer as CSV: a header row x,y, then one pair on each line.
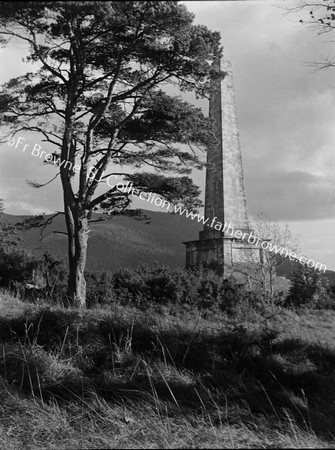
x,y
225,194
225,198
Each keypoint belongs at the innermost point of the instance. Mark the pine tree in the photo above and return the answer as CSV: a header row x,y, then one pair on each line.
x,y
98,96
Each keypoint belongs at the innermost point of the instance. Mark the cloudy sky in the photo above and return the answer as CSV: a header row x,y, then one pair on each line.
x,y
286,112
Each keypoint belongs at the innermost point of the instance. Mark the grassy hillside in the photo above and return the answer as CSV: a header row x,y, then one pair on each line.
x,y
121,378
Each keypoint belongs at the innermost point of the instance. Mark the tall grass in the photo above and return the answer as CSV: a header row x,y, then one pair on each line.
x,y
120,377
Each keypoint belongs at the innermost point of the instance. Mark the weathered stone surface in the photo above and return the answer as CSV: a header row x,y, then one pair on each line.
x,y
225,193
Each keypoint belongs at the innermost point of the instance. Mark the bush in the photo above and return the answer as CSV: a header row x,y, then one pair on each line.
x,y
16,266
157,287
19,267
310,289
99,289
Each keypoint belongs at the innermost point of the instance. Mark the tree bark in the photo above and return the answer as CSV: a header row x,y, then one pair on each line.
x,y
77,226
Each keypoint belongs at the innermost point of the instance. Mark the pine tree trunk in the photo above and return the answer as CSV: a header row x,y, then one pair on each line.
x,y
77,227
76,216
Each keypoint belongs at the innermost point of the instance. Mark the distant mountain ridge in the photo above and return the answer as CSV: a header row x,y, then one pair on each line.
x,y
122,241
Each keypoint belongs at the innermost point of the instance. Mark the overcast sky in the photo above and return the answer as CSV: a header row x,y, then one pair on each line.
x,y
286,113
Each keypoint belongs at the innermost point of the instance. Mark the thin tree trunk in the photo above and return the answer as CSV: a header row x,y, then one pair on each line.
x,y
75,216
77,227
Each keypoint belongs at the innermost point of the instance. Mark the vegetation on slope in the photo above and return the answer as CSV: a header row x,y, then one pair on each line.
x,y
119,377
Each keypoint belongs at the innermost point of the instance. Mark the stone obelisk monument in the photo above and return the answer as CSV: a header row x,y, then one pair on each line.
x,y
225,199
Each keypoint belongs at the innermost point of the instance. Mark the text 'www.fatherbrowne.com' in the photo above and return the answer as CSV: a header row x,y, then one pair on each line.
x,y
223,227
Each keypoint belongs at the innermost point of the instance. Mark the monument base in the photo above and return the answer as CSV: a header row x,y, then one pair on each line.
x,y
232,252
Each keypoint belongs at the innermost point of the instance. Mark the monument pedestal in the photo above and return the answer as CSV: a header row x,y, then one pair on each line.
x,y
228,250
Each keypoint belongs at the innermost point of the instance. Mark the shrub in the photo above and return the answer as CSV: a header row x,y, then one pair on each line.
x,y
99,289
16,265
130,286
19,267
165,287
310,289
